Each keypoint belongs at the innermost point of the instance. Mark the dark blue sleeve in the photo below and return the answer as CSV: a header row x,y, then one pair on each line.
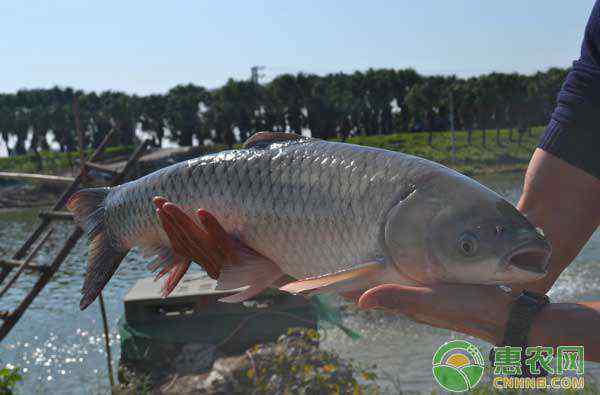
x,y
573,133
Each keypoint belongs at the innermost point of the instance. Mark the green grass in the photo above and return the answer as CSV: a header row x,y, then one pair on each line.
x,y
52,161
473,159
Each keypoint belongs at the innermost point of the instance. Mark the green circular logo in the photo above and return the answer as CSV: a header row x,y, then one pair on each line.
x,y
458,366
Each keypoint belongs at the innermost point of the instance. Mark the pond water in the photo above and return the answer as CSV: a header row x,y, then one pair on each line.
x,y
61,349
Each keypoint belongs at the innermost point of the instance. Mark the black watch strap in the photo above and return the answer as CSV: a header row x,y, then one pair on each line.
x,y
527,305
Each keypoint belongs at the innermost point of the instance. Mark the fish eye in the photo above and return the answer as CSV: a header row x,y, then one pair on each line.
x,y
468,243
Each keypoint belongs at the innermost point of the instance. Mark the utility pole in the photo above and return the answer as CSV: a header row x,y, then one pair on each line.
x,y
451,101
255,74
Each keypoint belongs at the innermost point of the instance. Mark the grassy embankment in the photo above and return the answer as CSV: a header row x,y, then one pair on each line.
x,y
470,159
53,162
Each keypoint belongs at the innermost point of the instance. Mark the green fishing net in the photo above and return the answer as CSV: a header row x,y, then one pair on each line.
x,y
229,332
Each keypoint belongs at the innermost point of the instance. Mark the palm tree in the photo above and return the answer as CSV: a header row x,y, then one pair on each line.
x,y
500,84
60,118
153,110
288,102
183,113
7,118
378,96
123,112
485,103
312,104
402,82
465,98
424,101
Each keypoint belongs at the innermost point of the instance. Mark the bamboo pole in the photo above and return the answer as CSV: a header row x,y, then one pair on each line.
x,y
26,263
139,151
101,168
59,215
41,178
111,379
11,264
79,138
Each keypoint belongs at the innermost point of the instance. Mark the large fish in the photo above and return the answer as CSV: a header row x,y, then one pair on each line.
x,y
325,216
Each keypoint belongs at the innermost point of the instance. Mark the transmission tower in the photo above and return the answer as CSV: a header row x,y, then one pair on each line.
x,y
255,74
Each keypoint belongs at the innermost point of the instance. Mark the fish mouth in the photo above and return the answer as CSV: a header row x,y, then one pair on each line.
x,y
532,257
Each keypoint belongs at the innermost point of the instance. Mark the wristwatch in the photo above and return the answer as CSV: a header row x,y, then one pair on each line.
x,y
527,305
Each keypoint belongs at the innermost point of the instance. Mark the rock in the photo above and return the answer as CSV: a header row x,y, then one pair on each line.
x,y
293,364
194,357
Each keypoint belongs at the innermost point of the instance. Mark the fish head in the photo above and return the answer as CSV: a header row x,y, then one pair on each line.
x,y
452,229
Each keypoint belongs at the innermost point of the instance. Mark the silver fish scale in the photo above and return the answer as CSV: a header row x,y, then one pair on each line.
x,y
313,207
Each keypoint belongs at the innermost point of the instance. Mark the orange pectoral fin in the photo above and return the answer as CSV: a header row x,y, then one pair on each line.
x,y
346,281
225,258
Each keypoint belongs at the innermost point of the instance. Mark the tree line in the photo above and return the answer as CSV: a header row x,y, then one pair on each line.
x,y
339,105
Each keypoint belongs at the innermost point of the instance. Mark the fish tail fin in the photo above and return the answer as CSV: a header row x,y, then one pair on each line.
x,y
88,208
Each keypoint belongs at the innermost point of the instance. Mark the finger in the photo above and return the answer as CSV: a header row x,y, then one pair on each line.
x,y
192,251
404,299
193,237
477,310
175,242
353,296
169,227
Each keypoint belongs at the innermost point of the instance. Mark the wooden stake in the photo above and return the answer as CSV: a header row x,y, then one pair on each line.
x,y
41,178
79,138
11,264
26,263
59,215
111,379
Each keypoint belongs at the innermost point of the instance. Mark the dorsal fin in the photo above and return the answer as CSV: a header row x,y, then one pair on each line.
x,y
261,139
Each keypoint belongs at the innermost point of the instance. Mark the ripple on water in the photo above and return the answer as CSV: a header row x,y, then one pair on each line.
x,y
59,348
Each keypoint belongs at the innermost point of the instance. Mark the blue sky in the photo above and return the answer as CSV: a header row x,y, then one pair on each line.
x,y
150,46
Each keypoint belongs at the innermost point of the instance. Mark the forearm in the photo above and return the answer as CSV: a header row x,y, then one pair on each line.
x,y
562,200
569,324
